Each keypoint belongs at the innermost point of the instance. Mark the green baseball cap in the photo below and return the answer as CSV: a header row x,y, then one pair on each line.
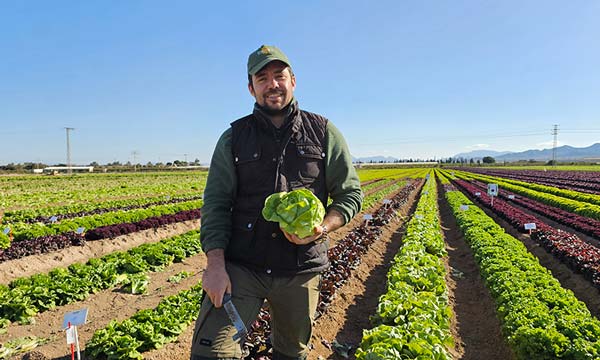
x,y
264,55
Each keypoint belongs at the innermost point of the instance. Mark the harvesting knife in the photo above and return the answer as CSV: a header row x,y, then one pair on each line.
x,y
235,318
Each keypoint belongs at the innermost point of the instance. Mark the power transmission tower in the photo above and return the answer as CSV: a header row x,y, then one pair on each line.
x,y
69,170
554,144
135,154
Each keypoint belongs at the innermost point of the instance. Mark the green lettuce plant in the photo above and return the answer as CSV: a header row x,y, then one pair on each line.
x,y
297,211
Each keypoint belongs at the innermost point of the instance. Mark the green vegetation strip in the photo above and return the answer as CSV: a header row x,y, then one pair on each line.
x,y
413,316
25,297
375,184
32,213
366,174
23,231
573,201
33,192
370,200
540,319
148,329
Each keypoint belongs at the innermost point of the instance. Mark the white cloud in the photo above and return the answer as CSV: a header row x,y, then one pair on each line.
x,y
478,146
549,144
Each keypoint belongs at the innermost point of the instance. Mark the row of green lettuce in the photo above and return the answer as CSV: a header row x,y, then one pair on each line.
x,y
375,184
379,195
24,231
366,173
540,319
23,298
147,329
579,203
413,317
31,213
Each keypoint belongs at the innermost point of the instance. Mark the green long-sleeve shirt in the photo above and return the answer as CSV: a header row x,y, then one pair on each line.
x,y
341,180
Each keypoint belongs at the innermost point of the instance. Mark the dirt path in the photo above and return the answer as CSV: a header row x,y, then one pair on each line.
x,y
34,264
475,327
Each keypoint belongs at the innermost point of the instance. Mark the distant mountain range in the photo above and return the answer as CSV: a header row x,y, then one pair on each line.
x,y
563,153
478,154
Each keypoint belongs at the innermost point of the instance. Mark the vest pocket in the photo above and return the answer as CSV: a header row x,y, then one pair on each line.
x,y
246,157
310,162
242,236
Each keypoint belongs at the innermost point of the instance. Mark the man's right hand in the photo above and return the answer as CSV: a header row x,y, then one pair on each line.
x,y
215,280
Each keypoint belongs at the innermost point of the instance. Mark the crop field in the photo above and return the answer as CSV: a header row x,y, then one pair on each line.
x,y
441,269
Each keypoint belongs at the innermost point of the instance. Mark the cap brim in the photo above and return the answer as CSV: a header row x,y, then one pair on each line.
x,y
256,68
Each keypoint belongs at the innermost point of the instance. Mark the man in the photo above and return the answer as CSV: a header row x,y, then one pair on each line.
x,y
277,148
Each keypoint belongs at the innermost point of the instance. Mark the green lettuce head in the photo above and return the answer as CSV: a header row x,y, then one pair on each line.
x,y
298,211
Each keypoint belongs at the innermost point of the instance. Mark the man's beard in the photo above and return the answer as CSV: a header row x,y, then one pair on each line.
x,y
272,111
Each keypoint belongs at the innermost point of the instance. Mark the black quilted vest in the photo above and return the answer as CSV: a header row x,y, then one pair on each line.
x,y
267,161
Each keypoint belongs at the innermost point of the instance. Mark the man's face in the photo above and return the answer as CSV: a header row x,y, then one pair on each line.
x,y
273,86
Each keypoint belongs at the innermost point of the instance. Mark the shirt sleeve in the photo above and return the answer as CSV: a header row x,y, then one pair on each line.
x,y
341,178
219,195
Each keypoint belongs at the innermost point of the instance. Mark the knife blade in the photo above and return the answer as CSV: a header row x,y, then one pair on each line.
x,y
235,318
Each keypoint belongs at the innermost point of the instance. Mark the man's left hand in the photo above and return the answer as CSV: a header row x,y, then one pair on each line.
x,y
293,238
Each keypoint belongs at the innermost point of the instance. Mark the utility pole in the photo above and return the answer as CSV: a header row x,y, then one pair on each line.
x,y
69,170
555,133
135,154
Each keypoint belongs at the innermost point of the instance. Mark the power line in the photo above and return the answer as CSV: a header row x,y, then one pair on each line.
x,y
453,138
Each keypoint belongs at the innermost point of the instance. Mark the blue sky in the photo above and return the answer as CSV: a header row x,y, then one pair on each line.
x,y
409,79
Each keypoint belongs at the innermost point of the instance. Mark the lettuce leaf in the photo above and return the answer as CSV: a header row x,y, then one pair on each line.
x,y
297,211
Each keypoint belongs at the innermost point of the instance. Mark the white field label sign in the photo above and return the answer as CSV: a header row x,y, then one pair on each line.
x,y
530,226
6,231
71,335
387,201
478,194
367,217
511,197
464,207
76,318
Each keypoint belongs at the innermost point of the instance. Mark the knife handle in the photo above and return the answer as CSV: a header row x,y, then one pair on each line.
x,y
226,297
